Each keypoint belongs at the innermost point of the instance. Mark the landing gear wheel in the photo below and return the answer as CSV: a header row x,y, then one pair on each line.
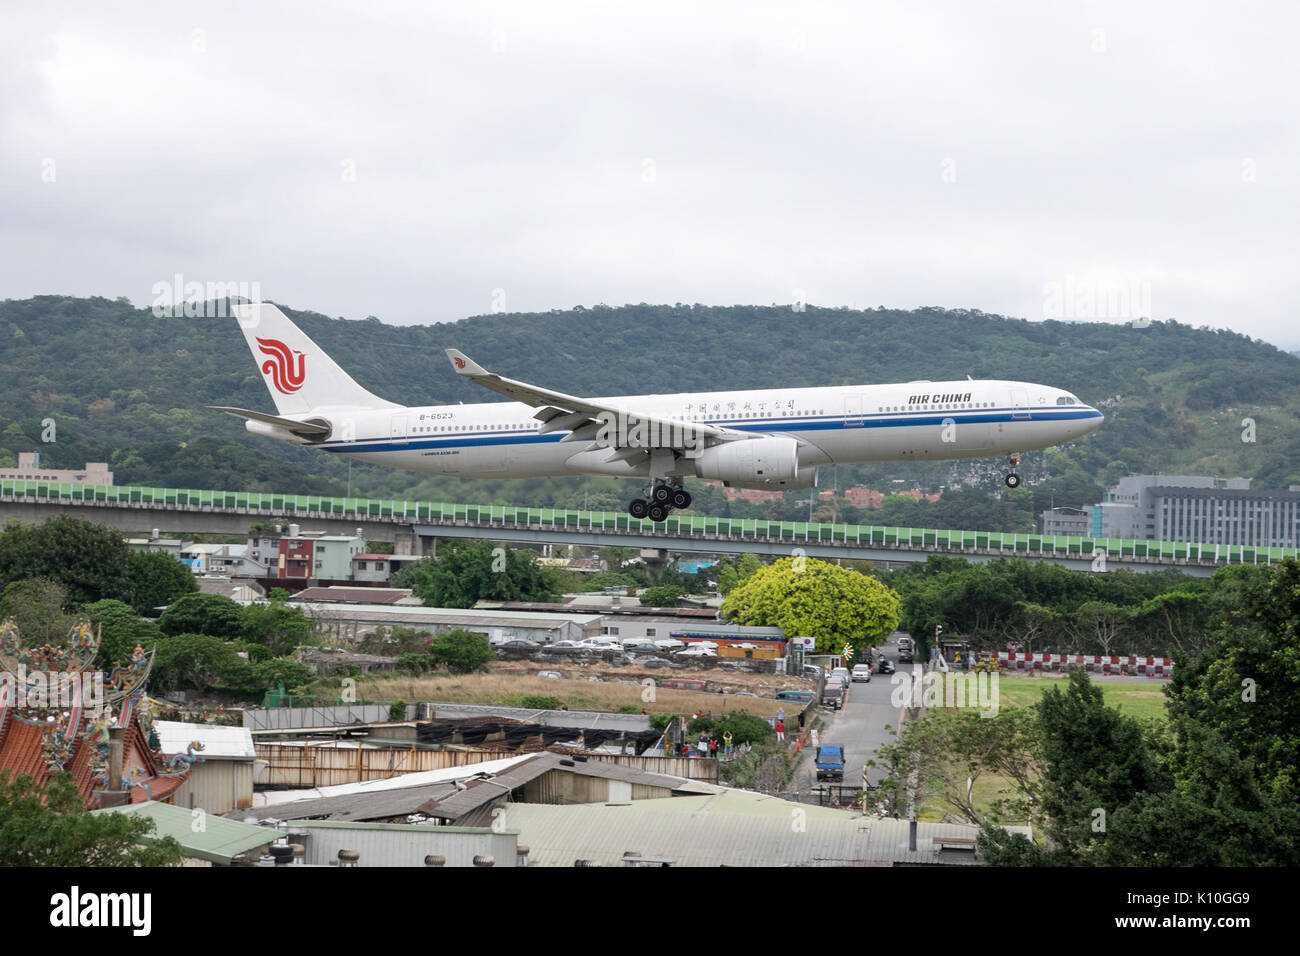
x,y
637,509
661,494
1012,480
658,512
681,499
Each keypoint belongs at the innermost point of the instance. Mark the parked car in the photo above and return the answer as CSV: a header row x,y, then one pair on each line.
x,y
812,671
668,644
833,695
601,644
551,675
519,644
842,673
642,647
654,662
698,651
861,672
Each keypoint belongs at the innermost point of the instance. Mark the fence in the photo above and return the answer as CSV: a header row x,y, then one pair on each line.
x,y
1100,664
304,767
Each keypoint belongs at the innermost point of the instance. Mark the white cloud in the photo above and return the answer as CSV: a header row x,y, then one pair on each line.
x,y
952,154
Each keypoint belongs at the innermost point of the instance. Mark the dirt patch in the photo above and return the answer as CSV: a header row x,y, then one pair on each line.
x,y
597,687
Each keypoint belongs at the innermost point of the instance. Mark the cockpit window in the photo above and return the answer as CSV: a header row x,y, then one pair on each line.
x,y
1067,400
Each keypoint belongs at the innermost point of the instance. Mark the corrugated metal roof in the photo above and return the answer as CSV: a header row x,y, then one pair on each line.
x,y
357,806
218,841
174,737
732,828
401,781
454,615
479,793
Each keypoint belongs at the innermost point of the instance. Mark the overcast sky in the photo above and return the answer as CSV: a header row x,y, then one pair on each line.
x,y
426,161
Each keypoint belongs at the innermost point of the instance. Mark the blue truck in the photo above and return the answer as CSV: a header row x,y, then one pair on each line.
x,y
830,762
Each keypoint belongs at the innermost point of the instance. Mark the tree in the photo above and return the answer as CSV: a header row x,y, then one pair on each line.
x,y
814,598
275,625
461,651
37,608
155,579
121,629
87,559
951,750
212,614
280,670
1098,624
663,595
200,662
49,827
471,571
1095,760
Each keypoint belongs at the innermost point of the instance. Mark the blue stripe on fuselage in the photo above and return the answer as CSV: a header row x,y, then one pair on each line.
x,y
990,416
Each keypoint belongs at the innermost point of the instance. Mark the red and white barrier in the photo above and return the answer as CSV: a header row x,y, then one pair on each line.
x,y
1098,664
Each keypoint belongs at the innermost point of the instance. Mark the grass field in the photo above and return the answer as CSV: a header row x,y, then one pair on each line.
x,y
1131,698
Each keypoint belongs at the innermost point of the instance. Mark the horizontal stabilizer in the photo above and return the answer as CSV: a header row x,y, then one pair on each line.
x,y
301,429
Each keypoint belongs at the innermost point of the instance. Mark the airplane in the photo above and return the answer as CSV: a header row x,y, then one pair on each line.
x,y
769,438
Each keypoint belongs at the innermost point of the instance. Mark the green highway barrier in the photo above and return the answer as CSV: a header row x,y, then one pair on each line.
x,y
420,512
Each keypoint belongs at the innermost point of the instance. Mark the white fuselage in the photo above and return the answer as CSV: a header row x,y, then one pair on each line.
x,y
915,421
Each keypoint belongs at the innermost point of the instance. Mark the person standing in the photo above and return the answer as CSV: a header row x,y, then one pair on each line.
x,y
726,742
780,729
713,747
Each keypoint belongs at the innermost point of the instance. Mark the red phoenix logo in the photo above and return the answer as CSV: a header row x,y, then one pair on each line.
x,y
460,362
284,376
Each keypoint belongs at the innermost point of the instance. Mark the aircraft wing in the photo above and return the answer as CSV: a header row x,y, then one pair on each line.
x,y
301,429
585,418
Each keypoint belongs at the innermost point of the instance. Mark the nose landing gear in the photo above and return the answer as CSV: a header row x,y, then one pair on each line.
x,y
1012,479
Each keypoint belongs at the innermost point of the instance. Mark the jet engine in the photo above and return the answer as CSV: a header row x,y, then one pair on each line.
x,y
767,463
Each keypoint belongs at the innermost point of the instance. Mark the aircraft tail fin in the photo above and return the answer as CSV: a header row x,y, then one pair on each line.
x,y
297,372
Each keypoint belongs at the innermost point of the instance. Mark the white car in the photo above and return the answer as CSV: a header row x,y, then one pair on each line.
x,y
669,644
698,651
861,672
551,675
841,674
601,644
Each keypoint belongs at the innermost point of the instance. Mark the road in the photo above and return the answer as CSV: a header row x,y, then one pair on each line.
x,y
866,721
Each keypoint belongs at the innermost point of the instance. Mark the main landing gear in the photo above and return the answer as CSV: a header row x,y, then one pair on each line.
x,y
1012,479
662,498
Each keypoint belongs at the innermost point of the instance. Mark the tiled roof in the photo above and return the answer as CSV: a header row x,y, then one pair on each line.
x,y
20,753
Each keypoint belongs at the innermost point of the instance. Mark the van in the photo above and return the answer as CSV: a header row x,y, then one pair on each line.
x,y
833,695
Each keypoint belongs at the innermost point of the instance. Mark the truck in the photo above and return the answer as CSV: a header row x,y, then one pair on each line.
x,y
830,762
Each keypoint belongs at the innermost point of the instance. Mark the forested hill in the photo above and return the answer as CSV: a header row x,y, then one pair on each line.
x,y
127,387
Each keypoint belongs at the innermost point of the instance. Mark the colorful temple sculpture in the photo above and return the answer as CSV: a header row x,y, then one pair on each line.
x,y
60,713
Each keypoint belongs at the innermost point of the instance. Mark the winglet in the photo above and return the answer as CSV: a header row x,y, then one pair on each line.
x,y
463,364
